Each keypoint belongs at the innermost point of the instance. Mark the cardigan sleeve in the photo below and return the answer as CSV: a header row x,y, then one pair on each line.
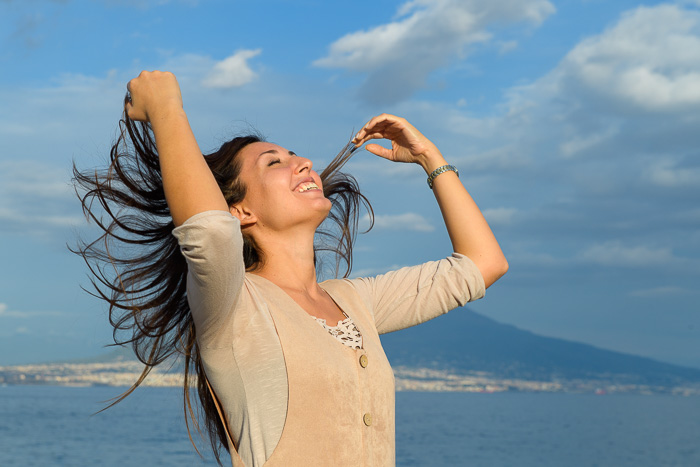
x,y
212,245
409,296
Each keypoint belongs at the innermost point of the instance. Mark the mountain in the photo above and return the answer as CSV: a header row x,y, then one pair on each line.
x,y
464,341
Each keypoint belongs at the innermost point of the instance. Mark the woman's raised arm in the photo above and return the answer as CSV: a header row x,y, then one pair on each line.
x,y
190,187
468,230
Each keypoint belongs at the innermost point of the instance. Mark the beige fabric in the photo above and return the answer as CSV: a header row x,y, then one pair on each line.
x,y
247,328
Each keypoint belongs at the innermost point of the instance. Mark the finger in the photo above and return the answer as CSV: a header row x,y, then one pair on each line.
x,y
128,97
128,104
379,120
378,150
382,126
367,137
133,112
383,122
383,118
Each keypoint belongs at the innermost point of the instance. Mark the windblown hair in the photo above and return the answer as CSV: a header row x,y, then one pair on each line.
x,y
137,268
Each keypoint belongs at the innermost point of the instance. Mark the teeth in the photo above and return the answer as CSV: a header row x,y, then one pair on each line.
x,y
306,187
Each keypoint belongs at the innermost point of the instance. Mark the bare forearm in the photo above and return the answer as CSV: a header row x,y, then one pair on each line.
x,y
190,187
468,230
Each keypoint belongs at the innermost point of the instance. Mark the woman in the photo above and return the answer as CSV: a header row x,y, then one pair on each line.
x,y
255,326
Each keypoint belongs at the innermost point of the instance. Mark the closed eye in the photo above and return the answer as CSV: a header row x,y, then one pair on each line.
x,y
273,162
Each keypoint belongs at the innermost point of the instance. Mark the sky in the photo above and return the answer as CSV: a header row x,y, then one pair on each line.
x,y
574,125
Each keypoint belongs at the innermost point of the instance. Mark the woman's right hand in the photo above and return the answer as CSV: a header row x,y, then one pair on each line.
x,y
153,93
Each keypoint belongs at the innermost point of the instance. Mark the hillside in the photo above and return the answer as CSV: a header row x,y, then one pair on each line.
x,y
465,341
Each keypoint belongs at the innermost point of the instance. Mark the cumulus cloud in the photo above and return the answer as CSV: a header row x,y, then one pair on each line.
x,y
604,147
233,71
650,60
398,56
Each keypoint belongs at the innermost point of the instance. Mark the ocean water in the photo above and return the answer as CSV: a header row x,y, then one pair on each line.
x,y
54,426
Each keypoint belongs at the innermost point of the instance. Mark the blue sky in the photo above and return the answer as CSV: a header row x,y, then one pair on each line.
x,y
575,126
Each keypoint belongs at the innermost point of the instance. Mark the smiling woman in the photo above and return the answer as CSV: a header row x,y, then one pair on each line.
x,y
216,260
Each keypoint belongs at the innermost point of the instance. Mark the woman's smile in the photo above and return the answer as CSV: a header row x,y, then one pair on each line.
x,y
306,185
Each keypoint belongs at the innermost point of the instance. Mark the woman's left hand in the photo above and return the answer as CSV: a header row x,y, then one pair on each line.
x,y
469,232
407,143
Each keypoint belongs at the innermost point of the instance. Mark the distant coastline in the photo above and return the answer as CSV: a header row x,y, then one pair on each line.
x,y
464,352
124,373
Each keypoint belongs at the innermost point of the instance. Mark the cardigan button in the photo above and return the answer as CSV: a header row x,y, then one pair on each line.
x,y
363,361
367,418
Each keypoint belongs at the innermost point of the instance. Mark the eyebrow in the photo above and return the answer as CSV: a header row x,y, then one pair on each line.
x,y
274,151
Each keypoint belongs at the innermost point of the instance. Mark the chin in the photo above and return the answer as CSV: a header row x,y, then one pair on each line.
x,y
324,210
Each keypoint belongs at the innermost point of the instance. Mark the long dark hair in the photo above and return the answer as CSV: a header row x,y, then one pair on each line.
x,y
137,268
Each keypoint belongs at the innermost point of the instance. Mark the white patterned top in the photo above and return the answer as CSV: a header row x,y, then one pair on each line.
x,y
345,331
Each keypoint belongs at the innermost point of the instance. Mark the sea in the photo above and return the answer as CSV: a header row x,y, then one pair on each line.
x,y
58,426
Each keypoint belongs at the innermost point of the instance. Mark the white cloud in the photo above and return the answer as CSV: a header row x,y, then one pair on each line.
x,y
398,56
406,221
505,47
26,178
36,197
521,257
616,117
666,173
616,253
649,61
5,312
578,143
615,123
499,216
233,71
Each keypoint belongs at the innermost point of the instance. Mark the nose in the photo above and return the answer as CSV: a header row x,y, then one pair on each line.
x,y
303,164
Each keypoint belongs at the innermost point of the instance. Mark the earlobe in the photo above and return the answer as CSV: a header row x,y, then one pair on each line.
x,y
244,215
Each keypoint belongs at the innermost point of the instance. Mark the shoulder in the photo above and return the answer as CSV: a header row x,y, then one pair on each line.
x,y
342,287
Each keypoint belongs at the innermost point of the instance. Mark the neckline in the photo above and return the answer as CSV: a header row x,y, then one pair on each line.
x,y
279,290
340,321
284,292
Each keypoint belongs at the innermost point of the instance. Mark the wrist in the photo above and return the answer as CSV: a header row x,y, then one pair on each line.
x,y
166,114
431,161
439,171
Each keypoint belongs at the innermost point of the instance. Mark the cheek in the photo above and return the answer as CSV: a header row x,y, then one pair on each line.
x,y
269,194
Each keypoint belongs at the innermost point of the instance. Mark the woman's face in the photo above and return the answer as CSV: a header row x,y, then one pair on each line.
x,y
282,190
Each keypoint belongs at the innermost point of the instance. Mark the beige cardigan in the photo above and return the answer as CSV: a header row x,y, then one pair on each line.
x,y
251,333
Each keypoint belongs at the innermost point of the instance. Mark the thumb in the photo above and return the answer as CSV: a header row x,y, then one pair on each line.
x,y
378,150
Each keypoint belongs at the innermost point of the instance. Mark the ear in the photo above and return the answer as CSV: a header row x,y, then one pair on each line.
x,y
244,215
